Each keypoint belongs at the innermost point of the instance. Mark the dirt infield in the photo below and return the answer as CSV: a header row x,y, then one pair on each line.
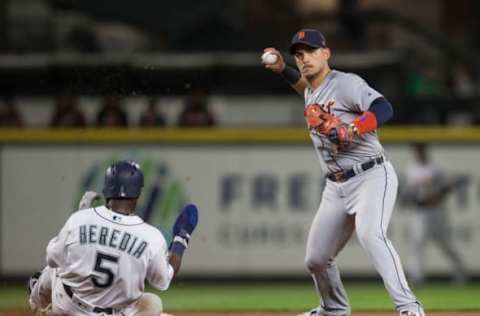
x,y
24,312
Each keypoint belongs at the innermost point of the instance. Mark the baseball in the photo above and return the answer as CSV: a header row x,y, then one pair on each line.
x,y
269,58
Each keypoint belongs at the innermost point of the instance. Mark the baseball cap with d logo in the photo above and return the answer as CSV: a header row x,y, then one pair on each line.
x,y
309,37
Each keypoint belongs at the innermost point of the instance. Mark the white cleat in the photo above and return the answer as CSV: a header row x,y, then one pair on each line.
x,y
318,311
408,313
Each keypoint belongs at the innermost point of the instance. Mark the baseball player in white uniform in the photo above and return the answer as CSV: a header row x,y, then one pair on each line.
x,y
98,263
426,187
343,113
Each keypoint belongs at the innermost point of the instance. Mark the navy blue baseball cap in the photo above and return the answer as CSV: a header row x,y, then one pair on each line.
x,y
309,37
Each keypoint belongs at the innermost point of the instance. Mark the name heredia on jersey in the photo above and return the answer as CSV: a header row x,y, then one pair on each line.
x,y
90,234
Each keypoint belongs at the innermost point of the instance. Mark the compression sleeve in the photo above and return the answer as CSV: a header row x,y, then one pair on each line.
x,y
382,109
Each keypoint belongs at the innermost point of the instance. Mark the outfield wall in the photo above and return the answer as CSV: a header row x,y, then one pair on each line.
x,y
257,191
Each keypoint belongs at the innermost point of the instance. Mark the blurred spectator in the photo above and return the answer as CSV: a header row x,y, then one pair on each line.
x,y
67,113
462,82
151,117
9,115
111,114
425,191
196,112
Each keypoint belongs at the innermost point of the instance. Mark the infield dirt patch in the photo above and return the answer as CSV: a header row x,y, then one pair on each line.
x,y
24,312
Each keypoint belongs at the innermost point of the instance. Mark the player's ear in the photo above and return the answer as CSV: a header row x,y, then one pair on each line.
x,y
326,52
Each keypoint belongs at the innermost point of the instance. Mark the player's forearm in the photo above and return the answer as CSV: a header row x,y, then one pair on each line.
x,y
175,261
294,79
179,244
300,86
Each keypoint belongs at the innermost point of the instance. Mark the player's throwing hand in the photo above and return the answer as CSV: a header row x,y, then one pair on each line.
x,y
279,65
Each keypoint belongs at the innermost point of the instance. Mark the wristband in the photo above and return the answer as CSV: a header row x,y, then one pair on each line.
x,y
290,75
179,245
367,122
181,240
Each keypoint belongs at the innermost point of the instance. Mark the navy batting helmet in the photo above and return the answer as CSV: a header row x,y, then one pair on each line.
x,y
123,180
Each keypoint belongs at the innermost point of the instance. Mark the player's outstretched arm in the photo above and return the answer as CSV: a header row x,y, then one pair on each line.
x,y
288,73
182,230
87,200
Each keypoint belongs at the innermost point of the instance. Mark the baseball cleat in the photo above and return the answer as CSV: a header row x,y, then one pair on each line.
x,y
32,281
408,313
318,311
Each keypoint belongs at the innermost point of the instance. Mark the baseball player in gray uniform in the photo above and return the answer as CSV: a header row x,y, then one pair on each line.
x,y
426,188
343,113
100,259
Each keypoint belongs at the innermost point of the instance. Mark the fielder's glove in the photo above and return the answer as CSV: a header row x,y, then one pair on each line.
x,y
87,199
325,123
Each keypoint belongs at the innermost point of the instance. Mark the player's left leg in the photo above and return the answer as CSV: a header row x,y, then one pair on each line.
x,y
418,235
147,305
330,230
441,234
372,196
41,290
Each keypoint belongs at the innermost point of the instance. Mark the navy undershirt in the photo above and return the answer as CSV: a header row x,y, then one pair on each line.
x,y
382,109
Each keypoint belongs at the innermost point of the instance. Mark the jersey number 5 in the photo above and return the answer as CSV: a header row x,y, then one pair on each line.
x,y
100,267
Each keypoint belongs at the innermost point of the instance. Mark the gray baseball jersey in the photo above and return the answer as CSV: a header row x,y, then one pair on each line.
x,y
345,95
430,220
369,195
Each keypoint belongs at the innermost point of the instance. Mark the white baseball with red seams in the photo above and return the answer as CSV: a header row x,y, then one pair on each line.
x,y
269,58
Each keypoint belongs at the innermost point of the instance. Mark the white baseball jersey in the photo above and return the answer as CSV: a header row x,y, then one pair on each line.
x,y
346,96
105,257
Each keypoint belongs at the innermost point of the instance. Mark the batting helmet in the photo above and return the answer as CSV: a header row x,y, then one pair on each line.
x,y
123,180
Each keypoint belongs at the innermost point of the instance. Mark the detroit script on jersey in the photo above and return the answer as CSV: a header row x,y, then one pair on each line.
x,y
346,96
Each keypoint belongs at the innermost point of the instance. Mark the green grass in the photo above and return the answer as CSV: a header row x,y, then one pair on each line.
x,y
285,297
12,296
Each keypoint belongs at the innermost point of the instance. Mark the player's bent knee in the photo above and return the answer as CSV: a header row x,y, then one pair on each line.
x,y
149,305
316,263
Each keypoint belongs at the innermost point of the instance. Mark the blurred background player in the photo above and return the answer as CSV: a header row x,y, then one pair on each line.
x,y
426,189
99,261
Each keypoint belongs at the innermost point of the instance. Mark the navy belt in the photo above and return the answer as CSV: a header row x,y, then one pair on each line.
x,y
344,175
69,292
